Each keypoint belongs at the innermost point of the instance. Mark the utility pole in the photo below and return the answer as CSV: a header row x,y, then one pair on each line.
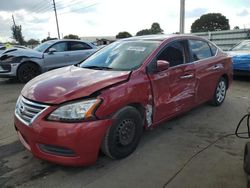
x,y
182,16
54,4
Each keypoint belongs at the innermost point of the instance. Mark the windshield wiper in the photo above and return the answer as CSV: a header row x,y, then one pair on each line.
x,y
98,67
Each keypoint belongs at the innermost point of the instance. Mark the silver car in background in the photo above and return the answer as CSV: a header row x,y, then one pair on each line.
x,y
2,49
25,64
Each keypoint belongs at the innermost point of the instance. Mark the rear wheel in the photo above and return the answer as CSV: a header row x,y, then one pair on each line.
x,y
27,71
124,135
220,92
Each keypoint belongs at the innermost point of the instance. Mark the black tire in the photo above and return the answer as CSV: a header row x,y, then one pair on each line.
x,y
246,164
248,181
27,71
124,135
220,92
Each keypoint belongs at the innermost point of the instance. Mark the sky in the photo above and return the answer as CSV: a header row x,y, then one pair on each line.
x,y
109,17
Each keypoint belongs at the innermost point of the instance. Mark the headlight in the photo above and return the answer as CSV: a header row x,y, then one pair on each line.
x,y
74,112
10,59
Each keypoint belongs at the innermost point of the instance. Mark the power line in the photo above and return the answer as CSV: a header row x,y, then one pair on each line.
x,y
70,4
38,5
45,7
75,10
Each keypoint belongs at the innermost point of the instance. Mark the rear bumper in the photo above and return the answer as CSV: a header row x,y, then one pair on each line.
x,y
73,144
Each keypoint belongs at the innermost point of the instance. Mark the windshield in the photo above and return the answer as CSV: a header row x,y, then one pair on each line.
x,y
245,45
121,55
42,47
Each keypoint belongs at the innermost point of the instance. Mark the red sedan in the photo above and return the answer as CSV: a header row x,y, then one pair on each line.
x,y
68,115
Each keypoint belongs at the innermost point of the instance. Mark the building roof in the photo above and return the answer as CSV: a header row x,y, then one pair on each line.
x,y
95,38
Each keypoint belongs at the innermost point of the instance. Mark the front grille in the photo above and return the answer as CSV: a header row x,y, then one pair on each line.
x,y
27,111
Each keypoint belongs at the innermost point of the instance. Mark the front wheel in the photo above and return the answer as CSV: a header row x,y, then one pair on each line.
x,y
124,135
220,92
27,71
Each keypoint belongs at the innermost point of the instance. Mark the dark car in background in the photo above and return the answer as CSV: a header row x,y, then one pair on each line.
x,y
25,64
241,58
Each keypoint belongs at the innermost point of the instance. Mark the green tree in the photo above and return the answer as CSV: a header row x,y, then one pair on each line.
x,y
32,42
48,38
236,27
17,34
71,36
210,22
123,34
144,32
156,29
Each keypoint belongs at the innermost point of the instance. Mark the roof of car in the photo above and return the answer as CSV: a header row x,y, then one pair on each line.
x,y
77,40
56,40
161,37
71,39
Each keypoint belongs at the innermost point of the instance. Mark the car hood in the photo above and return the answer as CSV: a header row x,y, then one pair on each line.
x,y
69,83
23,52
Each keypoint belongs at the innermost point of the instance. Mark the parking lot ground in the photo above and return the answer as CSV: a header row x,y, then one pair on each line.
x,y
188,151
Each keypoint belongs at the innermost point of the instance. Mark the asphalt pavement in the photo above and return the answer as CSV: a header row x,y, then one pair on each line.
x,y
197,149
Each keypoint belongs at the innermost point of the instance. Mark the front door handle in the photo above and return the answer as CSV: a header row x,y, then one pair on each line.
x,y
216,67
187,76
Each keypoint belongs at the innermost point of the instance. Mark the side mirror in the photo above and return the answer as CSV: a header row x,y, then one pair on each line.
x,y
52,50
162,65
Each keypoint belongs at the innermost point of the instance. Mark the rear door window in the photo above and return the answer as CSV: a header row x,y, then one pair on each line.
x,y
74,46
200,50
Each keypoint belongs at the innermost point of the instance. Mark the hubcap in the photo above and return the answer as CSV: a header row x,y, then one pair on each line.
x,y
221,91
126,132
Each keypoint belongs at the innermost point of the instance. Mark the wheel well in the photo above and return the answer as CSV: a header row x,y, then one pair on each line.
x,y
225,76
29,62
140,108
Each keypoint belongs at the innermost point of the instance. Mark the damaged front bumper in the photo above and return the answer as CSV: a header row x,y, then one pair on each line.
x,y
8,70
70,144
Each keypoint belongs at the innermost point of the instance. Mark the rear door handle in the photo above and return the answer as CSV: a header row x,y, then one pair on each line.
x,y
187,76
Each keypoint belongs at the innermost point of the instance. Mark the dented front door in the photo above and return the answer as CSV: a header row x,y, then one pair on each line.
x,y
174,88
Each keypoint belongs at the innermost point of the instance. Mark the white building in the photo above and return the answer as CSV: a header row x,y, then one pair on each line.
x,y
99,40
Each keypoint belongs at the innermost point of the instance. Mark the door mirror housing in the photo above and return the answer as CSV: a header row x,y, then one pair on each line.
x,y
52,50
162,65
